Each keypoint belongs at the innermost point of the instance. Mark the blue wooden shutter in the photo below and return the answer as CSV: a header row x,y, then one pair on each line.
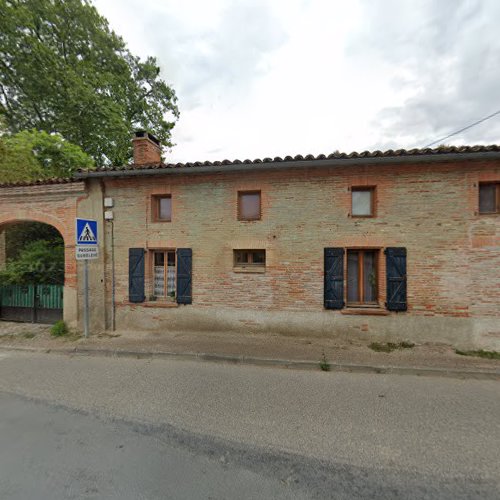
x,y
396,278
184,273
136,275
334,278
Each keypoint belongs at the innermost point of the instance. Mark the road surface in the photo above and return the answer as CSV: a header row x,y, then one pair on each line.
x,y
92,427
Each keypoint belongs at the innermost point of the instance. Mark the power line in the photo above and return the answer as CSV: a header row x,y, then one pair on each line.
x,y
463,129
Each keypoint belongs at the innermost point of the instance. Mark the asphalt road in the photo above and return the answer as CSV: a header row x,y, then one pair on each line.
x,y
86,427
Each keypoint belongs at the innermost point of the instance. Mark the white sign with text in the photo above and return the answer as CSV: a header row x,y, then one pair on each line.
x,y
86,252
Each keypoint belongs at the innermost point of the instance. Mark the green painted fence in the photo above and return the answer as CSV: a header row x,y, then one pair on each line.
x,y
17,296
47,296
50,296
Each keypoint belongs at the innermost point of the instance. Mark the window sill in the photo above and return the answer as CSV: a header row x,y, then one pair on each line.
x,y
152,304
251,270
365,311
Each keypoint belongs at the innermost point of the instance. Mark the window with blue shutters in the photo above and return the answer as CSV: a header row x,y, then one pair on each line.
x,y
396,279
334,278
362,278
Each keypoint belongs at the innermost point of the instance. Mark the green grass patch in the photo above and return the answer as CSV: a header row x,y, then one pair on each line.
x,y
479,354
324,366
390,346
28,335
59,329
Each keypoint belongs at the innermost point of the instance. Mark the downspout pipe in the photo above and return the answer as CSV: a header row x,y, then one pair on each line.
x,y
113,285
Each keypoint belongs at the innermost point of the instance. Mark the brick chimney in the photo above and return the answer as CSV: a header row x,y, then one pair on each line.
x,y
147,148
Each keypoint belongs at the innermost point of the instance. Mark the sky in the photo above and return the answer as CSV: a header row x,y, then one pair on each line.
x,y
266,78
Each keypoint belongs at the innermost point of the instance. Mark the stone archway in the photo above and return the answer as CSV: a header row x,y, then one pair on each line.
x,y
54,204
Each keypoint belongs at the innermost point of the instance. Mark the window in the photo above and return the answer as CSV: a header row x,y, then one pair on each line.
x,y
489,198
362,276
164,274
250,259
249,205
162,208
363,201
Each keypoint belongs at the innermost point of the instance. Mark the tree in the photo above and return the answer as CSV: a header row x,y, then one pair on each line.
x,y
39,262
63,70
35,254
20,234
30,155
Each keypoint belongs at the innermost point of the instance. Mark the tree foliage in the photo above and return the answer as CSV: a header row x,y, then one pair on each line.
x,y
35,254
20,234
39,262
63,70
30,155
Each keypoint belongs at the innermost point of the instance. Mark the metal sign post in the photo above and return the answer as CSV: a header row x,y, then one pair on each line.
x,y
86,298
86,249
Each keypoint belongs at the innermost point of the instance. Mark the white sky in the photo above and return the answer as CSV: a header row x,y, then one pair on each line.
x,y
258,78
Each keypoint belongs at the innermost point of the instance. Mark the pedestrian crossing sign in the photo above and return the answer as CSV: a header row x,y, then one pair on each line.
x,y
86,232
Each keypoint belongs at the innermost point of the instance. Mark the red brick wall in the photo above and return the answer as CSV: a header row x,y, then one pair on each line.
x,y
431,209
52,204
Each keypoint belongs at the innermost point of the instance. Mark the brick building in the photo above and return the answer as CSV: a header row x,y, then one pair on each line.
x,y
388,246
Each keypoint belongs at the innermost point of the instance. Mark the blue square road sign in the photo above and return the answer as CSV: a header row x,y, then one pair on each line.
x,y
86,232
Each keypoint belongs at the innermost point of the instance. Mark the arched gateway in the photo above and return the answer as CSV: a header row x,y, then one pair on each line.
x,y
54,203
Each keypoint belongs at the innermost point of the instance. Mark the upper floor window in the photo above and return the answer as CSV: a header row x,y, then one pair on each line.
x,y
162,208
363,201
249,205
489,198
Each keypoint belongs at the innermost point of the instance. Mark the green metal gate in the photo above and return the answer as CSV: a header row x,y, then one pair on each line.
x,y
31,303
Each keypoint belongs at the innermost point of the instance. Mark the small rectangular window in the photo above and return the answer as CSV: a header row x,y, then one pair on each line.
x,y
249,205
362,201
164,274
489,198
362,276
162,208
250,258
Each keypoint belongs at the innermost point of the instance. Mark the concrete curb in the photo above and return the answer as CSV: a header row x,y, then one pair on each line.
x,y
269,362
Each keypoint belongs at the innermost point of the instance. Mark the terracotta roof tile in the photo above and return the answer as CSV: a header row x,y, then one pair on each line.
x,y
39,182
390,153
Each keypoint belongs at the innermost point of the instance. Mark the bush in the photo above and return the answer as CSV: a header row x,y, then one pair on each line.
x,y
323,364
59,329
39,261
